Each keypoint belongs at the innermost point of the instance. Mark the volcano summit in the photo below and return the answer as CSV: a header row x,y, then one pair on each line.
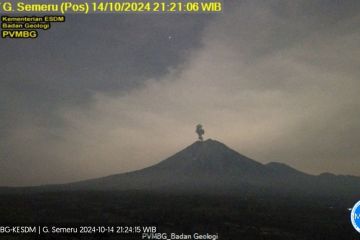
x,y
211,166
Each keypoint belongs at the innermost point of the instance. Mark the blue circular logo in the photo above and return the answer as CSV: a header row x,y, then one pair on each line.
x,y
355,216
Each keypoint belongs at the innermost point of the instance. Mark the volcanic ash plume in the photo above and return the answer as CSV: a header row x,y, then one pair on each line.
x,y
200,131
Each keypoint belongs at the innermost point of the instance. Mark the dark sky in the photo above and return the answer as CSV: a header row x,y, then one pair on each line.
x,y
104,94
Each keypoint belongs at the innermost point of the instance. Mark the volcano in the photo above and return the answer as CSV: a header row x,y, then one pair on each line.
x,y
211,166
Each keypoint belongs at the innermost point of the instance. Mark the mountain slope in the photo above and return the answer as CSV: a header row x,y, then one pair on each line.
x,y
202,164
211,166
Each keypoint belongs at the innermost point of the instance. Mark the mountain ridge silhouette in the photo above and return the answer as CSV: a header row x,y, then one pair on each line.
x,y
211,166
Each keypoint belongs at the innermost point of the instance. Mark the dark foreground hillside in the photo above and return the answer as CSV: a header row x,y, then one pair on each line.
x,y
263,217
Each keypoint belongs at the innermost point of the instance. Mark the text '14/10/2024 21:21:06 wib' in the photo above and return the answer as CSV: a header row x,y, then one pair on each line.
x,y
115,7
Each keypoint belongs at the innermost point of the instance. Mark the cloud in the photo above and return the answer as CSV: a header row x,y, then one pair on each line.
x,y
263,82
